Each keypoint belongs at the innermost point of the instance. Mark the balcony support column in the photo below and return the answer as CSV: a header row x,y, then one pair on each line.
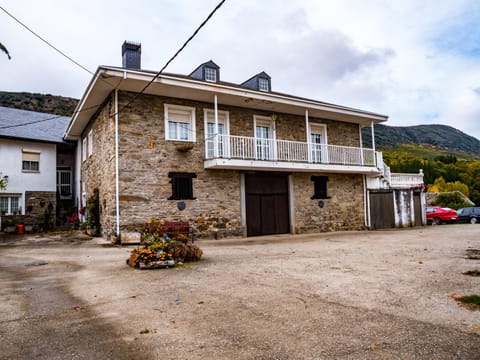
x,y
307,126
215,130
373,144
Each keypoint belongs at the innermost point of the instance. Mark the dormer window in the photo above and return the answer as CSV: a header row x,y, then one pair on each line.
x,y
263,84
208,71
210,74
259,82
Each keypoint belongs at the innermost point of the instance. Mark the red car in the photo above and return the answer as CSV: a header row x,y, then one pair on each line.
x,y
437,215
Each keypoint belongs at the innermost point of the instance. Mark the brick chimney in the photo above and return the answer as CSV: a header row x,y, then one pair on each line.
x,y
131,55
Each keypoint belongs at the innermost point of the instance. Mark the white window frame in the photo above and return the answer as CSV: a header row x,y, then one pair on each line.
x,y
210,74
9,202
191,135
269,151
34,153
318,128
84,149
263,81
90,143
223,118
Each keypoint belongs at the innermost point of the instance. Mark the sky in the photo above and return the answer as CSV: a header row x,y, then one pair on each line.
x,y
416,61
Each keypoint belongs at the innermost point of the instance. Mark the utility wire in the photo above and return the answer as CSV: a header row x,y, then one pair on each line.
x,y
172,58
84,68
45,41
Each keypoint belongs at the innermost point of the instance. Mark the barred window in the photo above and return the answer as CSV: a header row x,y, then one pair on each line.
x,y
182,185
319,187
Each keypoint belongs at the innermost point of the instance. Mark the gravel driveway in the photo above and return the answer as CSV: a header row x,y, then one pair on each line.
x,y
349,295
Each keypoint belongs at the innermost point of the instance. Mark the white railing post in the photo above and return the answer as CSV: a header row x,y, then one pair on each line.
x,y
215,130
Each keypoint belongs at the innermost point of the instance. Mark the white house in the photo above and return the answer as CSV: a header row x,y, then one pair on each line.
x,y
35,160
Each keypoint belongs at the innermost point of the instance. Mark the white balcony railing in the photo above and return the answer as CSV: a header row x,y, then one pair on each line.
x,y
399,180
250,148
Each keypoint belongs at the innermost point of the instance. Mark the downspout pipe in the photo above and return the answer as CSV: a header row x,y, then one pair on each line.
x,y
117,197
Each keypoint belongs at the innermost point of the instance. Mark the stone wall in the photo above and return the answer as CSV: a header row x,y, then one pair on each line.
x,y
145,159
342,211
36,203
98,170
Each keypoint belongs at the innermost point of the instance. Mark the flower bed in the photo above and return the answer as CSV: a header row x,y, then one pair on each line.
x,y
162,250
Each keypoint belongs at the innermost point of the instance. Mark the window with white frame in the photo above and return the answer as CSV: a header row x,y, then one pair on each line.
x,y
223,129
84,149
30,161
179,123
90,143
9,204
263,84
210,74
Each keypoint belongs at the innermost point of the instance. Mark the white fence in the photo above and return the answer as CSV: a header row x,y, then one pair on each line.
x,y
250,148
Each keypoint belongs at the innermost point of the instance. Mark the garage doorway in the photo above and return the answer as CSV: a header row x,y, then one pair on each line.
x,y
267,206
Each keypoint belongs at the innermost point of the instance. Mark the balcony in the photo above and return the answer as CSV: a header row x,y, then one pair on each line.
x,y
249,153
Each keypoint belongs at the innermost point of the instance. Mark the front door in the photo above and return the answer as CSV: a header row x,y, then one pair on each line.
x,y
267,205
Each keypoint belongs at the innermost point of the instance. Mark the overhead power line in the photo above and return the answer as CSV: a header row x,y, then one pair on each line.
x,y
45,41
173,57
84,68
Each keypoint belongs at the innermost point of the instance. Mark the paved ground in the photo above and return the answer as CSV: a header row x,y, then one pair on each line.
x,y
355,295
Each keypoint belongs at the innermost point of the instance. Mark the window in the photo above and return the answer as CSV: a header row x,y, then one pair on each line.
x,y
9,204
263,84
64,183
182,185
84,149
90,143
210,74
30,161
320,187
179,123
223,129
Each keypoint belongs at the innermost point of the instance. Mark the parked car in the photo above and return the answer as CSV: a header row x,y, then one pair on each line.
x,y
470,214
437,215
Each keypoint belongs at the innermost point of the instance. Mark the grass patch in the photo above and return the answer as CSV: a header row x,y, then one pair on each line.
x,y
475,272
471,302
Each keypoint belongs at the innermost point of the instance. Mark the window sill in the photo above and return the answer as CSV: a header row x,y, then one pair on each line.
x,y
31,171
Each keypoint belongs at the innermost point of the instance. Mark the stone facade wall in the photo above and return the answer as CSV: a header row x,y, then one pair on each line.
x,y
145,159
98,170
36,202
342,211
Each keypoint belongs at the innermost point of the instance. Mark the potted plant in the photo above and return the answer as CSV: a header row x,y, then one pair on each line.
x,y
10,225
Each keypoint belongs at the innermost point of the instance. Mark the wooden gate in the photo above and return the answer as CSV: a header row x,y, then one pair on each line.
x,y
382,211
267,204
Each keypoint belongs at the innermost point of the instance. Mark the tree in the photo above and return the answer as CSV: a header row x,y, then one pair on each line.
x,y
4,49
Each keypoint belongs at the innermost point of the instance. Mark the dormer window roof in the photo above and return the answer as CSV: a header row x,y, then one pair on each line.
x,y
260,82
208,71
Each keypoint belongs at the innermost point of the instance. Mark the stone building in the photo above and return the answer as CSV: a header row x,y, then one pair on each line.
x,y
232,159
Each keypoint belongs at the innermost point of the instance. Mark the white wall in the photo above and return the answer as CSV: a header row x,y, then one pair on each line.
x,y
19,181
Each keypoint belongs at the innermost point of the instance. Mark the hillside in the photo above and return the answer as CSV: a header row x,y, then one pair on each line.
x,y
435,139
51,104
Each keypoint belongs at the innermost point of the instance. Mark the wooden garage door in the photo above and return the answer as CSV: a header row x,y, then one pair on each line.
x,y
382,212
267,204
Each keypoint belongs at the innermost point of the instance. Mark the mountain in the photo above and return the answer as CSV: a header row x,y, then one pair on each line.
x,y
439,138
58,105
418,140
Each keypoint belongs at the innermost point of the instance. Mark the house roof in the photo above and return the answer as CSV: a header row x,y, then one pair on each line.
x,y
108,78
32,125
